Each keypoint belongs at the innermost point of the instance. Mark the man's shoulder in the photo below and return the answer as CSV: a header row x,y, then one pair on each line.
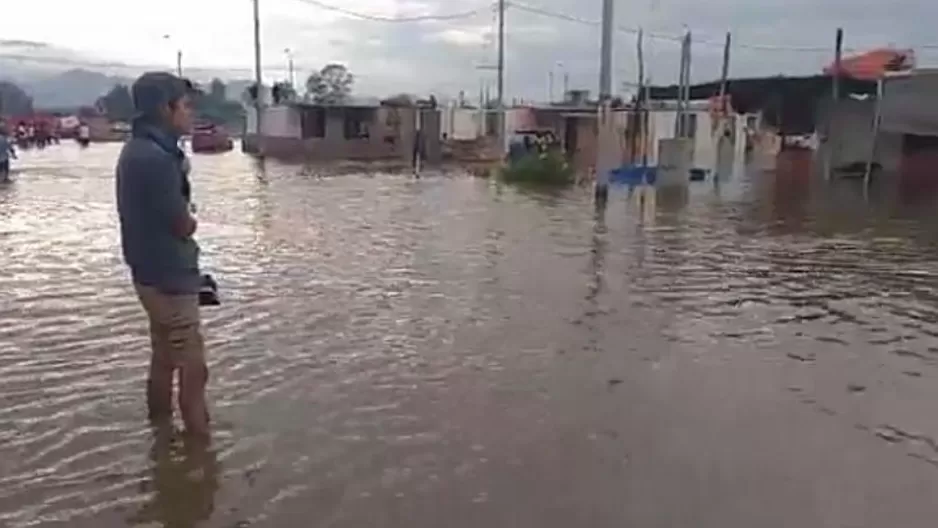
x,y
141,153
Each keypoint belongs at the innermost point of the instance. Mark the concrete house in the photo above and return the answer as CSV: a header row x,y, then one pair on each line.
x,y
362,132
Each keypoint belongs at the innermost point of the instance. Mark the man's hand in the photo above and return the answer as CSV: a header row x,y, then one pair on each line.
x,y
185,226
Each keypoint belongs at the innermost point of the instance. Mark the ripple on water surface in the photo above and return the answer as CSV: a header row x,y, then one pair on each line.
x,y
445,352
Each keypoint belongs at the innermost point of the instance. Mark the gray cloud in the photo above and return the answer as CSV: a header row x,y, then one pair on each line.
x,y
444,57
422,57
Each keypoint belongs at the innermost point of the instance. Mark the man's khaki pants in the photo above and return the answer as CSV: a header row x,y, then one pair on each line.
x,y
176,338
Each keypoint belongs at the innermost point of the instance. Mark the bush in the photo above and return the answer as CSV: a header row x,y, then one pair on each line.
x,y
534,168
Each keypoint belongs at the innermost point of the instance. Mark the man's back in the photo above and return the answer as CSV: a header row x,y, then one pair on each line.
x,y
149,199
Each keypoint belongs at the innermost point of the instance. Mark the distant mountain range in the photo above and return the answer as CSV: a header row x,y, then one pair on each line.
x,y
78,87
57,77
71,88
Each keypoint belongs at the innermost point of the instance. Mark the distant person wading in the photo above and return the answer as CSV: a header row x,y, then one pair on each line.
x,y
157,228
7,152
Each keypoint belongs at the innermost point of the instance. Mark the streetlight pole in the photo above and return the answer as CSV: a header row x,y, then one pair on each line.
x,y
566,80
291,78
169,39
550,86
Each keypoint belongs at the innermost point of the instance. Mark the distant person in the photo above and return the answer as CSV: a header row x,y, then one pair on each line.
x,y
7,152
157,229
418,153
84,134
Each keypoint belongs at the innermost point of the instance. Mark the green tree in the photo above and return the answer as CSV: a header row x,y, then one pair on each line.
x,y
214,107
218,90
331,85
14,100
117,104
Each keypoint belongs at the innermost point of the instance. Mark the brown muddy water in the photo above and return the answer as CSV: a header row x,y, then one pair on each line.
x,y
447,353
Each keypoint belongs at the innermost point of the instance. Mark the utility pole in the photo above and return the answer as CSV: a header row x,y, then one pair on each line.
x,y
838,55
169,38
641,112
683,91
724,123
605,65
258,77
483,127
292,77
566,81
725,72
831,144
605,128
500,87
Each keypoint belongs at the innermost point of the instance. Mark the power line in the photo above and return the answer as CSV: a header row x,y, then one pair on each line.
x,y
381,18
243,73
673,38
64,61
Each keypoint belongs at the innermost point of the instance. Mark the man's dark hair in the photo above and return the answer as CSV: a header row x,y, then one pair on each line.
x,y
153,91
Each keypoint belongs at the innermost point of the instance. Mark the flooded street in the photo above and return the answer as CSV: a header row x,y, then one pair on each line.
x,y
442,352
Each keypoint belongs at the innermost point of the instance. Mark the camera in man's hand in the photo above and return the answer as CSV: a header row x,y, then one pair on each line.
x,y
208,291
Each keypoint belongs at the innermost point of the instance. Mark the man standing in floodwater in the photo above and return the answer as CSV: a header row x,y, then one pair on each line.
x,y
6,152
157,229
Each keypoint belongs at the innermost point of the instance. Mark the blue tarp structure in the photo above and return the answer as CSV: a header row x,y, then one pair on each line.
x,y
633,174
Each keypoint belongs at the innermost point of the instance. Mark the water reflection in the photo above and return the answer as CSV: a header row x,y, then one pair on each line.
x,y
596,280
398,352
183,483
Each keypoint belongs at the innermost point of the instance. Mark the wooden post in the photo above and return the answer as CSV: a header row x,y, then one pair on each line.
x,y
830,145
877,119
838,55
723,119
418,140
687,68
725,72
683,87
679,119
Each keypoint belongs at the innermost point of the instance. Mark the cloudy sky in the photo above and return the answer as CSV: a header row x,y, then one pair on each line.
x,y
446,56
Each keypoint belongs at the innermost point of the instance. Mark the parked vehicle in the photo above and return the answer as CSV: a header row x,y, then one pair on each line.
x,y
208,137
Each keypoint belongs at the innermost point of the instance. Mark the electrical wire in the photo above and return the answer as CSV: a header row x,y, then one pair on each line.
x,y
380,18
673,38
114,65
